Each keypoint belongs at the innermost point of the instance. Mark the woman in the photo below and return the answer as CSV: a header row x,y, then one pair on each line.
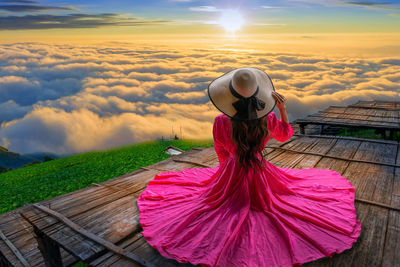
x,y
246,211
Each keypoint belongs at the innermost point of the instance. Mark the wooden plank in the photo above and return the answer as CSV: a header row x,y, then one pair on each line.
x,y
26,243
18,239
382,153
109,258
212,158
377,105
84,249
340,158
391,248
113,227
320,120
110,246
357,118
112,221
349,138
138,245
196,156
272,142
43,221
346,148
373,182
357,112
15,223
391,257
289,160
28,246
321,146
193,162
14,249
395,201
366,251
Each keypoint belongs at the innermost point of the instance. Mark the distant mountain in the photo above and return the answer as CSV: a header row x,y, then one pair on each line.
x,y
41,155
15,160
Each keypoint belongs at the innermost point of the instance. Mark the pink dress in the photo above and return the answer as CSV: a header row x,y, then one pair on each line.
x,y
232,216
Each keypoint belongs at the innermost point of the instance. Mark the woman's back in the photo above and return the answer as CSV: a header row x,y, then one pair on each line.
x,y
225,147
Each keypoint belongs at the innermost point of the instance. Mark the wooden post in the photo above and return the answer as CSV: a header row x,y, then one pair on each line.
x,y
391,134
50,251
321,129
302,128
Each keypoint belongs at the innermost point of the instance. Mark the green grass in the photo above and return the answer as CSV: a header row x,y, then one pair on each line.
x,y
366,133
80,264
60,176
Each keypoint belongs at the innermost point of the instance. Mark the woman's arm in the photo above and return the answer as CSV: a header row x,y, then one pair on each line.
x,y
281,130
219,146
281,105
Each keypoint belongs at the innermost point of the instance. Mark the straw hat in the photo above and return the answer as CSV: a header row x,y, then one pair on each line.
x,y
243,94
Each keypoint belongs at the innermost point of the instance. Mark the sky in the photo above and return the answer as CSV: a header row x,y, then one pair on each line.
x,y
78,76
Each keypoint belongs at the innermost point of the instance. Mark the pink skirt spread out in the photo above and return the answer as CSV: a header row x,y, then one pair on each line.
x,y
232,216
223,216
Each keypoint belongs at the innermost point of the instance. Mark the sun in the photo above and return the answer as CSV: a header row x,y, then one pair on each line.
x,y
231,20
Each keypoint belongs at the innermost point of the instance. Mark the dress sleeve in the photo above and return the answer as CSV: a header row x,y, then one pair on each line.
x,y
222,153
280,131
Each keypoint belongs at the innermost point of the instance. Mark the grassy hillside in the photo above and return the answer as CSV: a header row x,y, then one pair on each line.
x,y
60,176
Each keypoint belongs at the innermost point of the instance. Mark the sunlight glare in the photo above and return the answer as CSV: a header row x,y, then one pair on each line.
x,y
231,20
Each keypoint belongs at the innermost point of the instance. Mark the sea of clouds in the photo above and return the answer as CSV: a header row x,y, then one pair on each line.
x,y
68,99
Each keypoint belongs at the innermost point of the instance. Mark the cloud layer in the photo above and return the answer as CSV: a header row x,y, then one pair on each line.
x,y
69,99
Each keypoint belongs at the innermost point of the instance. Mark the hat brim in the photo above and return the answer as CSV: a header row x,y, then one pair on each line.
x,y
221,97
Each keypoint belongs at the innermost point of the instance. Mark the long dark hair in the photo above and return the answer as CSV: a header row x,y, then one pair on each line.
x,y
248,137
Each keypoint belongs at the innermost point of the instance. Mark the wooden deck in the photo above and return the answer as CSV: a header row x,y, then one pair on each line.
x,y
387,105
372,166
378,115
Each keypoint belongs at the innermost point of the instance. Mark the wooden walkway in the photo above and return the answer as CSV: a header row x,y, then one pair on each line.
x,y
378,115
372,166
387,105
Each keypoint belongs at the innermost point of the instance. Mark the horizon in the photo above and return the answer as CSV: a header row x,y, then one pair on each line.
x,y
82,76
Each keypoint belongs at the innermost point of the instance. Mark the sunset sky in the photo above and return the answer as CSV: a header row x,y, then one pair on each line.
x,y
77,76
